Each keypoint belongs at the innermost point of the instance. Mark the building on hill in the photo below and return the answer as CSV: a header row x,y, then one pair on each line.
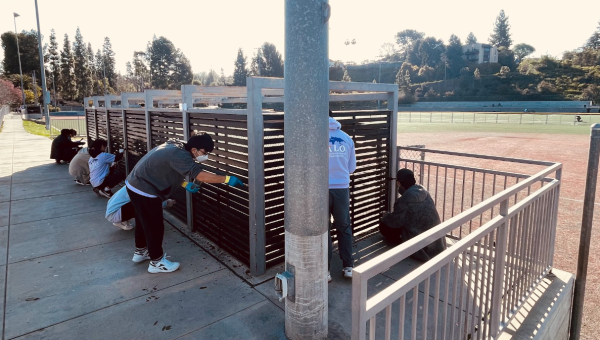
x,y
480,53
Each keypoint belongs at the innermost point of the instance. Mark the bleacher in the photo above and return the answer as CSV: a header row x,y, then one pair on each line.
x,y
504,106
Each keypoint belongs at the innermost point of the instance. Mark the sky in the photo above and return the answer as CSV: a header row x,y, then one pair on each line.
x,y
210,32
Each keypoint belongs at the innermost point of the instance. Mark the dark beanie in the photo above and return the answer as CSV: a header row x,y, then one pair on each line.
x,y
202,141
406,178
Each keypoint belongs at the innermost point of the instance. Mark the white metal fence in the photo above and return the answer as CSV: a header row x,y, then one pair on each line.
x,y
73,123
4,110
504,244
499,118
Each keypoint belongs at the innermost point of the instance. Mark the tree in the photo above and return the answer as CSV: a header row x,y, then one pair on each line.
x,y
82,72
454,56
9,94
267,62
222,78
162,55
28,46
108,57
506,57
592,92
181,71
504,70
67,77
430,51
594,41
240,72
346,76
388,52
407,37
471,39
140,71
523,50
501,35
53,58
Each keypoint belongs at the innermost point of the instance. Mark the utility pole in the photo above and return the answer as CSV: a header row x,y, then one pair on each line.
x,y
34,88
15,15
46,94
306,185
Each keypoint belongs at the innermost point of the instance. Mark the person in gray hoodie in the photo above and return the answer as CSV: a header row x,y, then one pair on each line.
x,y
414,213
342,162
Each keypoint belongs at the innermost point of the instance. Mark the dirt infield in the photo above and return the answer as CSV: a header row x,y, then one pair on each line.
x,y
568,149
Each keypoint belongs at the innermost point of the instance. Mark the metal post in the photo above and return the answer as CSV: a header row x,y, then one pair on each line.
x,y
586,232
499,264
45,95
124,106
15,15
149,103
306,189
393,153
187,102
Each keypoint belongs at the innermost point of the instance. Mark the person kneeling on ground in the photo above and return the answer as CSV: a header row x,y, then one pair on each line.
x,y
414,213
103,177
63,149
119,210
150,183
80,168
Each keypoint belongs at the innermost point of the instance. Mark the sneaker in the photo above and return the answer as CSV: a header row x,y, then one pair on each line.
x,y
347,272
80,183
97,192
328,277
140,256
163,266
104,193
125,225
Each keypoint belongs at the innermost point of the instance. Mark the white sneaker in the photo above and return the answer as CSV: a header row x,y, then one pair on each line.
x,y
163,266
141,256
347,272
125,225
328,277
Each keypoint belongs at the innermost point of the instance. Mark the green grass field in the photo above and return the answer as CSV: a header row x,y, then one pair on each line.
x,y
491,122
36,129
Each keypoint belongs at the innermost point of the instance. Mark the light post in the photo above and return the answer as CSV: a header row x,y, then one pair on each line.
x,y
46,95
19,55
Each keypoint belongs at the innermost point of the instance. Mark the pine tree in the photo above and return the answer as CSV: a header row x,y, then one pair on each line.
x,y
109,62
471,39
100,85
222,78
81,70
54,63
241,72
161,52
454,56
181,71
501,35
346,76
594,41
67,77
267,62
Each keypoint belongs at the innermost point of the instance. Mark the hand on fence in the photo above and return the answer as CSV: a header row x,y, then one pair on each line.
x,y
233,181
190,187
121,150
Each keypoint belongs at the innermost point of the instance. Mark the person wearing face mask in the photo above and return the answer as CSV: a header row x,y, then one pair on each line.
x,y
151,182
414,213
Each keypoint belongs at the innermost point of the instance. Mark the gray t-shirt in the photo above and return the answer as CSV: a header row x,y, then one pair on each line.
x,y
163,167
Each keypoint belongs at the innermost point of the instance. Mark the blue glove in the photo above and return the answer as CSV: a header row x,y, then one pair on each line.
x,y
190,187
234,181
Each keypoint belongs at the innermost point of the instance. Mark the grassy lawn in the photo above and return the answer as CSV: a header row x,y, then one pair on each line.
x,y
36,129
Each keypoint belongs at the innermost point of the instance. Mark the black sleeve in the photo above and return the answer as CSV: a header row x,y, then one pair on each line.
x,y
118,157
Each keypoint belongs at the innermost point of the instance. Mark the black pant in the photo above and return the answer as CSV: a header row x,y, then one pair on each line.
x,y
149,227
127,212
113,179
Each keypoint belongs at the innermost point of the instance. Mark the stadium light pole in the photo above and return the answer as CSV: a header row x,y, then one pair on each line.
x,y
46,94
15,15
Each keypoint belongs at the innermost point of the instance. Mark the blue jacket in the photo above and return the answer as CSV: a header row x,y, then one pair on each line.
x,y
342,159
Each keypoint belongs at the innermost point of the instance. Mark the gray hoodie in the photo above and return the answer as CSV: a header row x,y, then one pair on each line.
x,y
414,213
163,168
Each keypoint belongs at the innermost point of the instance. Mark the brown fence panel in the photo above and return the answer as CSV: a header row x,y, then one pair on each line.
x,y
117,142
136,136
101,123
221,212
90,123
370,131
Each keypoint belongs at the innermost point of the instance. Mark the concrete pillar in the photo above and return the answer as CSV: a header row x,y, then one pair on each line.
x,y
306,166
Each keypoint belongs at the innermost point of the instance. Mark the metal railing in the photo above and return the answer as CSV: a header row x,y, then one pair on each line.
x,y
585,119
76,123
503,247
4,110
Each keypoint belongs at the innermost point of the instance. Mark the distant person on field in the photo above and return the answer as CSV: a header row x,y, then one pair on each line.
x,y
120,211
104,176
342,162
414,213
80,168
63,149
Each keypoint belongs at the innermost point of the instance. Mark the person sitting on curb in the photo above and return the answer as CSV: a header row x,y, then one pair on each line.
x,y
120,211
63,149
103,176
80,168
342,162
414,213
151,182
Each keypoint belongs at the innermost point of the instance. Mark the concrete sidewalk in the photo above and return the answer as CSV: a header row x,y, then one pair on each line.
x,y
66,272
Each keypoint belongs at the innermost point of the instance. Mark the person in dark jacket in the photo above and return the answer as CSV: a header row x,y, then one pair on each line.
x,y
63,149
414,213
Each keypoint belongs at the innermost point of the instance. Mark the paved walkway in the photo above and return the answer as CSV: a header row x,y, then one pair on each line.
x,y
66,273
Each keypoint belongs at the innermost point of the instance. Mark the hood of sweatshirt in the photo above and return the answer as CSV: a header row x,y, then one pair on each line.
x,y
414,194
334,124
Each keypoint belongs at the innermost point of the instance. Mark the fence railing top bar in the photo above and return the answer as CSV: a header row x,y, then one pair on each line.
x,y
219,111
368,87
382,299
473,155
393,256
468,168
163,109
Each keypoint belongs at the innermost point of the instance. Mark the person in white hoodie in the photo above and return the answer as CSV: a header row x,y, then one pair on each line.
x,y
342,162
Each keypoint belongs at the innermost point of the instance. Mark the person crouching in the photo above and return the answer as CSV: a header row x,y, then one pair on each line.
x,y
103,177
120,211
